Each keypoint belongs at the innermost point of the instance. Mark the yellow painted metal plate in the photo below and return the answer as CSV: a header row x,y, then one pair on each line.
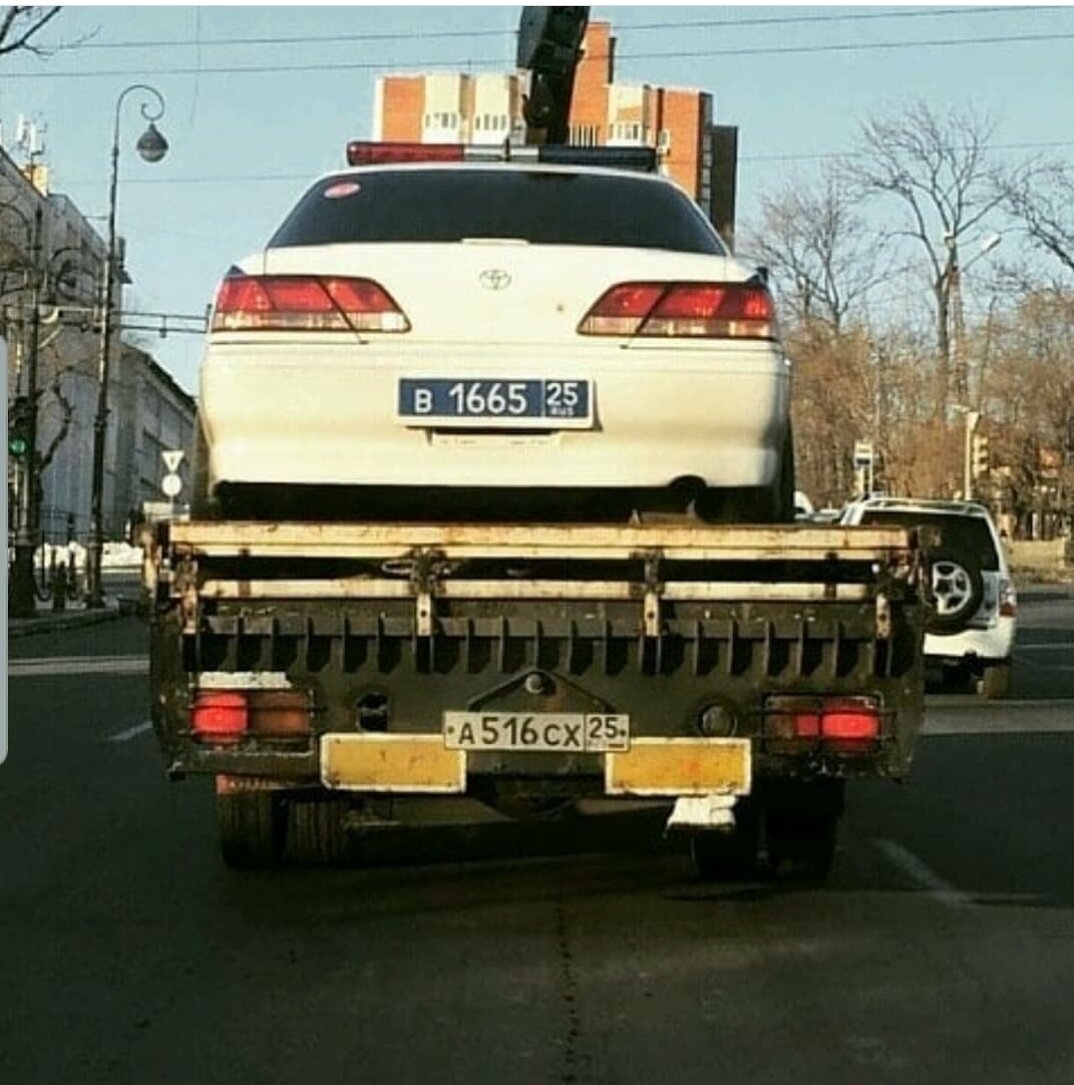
x,y
680,767
405,764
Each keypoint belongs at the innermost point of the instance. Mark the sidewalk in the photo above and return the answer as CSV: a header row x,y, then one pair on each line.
x,y
74,616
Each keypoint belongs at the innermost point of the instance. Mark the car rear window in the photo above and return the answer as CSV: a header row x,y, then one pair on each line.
x,y
968,535
544,208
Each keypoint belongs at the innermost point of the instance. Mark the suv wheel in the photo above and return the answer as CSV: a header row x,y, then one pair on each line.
x,y
995,683
955,589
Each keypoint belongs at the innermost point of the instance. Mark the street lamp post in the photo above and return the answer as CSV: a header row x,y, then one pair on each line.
x,y
152,146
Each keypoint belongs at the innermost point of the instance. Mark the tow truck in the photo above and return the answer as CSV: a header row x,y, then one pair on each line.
x,y
324,669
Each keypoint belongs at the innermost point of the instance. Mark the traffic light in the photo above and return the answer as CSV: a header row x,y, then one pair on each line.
x,y
18,427
549,38
981,459
549,44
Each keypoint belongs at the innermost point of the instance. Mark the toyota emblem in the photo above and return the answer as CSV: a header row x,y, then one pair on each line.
x,y
494,279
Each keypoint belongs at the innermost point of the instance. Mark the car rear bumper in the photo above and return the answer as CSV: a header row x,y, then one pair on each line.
x,y
716,414
995,643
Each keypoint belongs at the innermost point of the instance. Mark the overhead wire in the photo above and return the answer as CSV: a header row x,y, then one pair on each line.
x,y
412,35
470,62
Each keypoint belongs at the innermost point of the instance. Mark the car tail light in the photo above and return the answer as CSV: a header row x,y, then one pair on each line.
x,y
1008,600
843,723
684,310
305,303
219,717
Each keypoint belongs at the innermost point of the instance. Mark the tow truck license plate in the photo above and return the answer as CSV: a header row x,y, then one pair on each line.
x,y
495,402
558,732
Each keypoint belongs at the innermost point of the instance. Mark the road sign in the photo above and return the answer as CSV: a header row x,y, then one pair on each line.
x,y
863,453
172,457
171,485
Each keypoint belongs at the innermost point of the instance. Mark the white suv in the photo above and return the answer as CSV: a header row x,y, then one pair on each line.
x,y
971,632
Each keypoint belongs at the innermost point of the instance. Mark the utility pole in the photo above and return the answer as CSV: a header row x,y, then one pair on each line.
x,y
972,418
22,600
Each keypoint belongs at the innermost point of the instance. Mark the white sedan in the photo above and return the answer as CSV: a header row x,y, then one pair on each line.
x,y
493,332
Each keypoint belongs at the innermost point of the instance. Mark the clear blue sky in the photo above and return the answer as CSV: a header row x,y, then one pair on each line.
x,y
244,144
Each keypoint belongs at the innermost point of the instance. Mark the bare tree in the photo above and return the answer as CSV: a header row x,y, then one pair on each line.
x,y
937,170
822,253
19,27
1042,199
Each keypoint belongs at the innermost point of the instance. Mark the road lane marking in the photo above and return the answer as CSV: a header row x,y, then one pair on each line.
x,y
1022,717
1050,646
923,875
47,666
131,732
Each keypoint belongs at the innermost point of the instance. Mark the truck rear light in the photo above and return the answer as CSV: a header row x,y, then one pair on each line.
x,y
218,717
843,722
279,713
1008,600
305,303
850,723
683,310
793,724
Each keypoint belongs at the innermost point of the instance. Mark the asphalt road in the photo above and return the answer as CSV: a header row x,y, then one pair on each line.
x,y
941,949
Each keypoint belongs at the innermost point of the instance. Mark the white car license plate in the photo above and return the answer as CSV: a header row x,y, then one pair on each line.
x,y
558,732
498,403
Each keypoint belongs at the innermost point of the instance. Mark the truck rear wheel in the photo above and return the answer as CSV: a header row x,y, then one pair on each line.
x,y
801,827
729,856
316,835
251,827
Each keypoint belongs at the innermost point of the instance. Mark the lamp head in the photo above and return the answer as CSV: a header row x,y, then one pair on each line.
x,y
152,146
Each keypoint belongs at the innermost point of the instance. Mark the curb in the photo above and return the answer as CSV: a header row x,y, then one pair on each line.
x,y
52,623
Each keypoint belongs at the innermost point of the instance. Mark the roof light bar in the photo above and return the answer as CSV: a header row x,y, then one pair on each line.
x,y
369,153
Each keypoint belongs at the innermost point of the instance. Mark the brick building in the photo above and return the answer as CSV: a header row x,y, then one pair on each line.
x,y
487,108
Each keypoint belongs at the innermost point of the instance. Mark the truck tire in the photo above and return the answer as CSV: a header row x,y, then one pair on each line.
x,y
995,682
729,856
251,827
801,828
316,835
955,589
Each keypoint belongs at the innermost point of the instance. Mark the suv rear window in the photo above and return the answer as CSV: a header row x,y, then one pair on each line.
x,y
544,208
969,535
